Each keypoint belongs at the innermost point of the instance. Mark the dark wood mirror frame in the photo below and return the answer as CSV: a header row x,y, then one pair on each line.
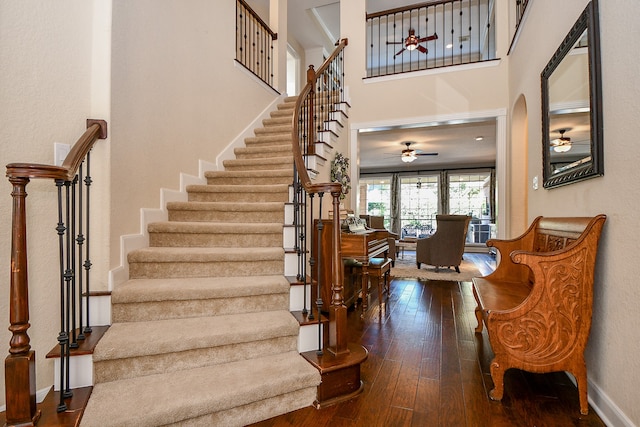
x,y
592,165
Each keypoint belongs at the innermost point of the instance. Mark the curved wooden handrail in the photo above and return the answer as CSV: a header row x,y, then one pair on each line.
x,y
329,187
337,310
96,129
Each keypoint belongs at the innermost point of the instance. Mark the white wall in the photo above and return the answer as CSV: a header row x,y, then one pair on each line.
x,y
177,97
612,355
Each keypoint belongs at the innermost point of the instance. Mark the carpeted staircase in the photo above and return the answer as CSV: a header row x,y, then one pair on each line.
x,y
201,334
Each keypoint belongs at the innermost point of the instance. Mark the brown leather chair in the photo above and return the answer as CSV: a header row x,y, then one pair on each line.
x,y
446,246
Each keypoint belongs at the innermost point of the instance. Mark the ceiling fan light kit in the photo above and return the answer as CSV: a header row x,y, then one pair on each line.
x,y
412,42
562,144
408,156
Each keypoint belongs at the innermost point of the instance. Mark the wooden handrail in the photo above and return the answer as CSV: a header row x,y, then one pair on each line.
x,y
257,18
405,8
338,345
20,381
329,187
96,129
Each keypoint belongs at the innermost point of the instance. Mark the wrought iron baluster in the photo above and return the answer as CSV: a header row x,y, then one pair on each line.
x,y
65,388
63,338
72,257
87,259
80,242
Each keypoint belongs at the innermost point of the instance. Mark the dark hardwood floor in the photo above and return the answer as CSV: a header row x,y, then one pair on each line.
x,y
427,367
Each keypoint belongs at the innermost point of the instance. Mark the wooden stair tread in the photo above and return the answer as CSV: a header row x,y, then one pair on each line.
x,y
211,389
85,346
50,417
303,319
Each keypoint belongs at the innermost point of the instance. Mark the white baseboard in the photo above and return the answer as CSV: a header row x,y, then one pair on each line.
x,y
608,411
606,408
227,153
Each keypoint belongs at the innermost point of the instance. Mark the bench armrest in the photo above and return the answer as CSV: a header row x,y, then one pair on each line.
x,y
507,270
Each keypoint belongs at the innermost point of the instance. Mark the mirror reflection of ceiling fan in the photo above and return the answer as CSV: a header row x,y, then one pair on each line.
x,y
412,42
409,154
563,143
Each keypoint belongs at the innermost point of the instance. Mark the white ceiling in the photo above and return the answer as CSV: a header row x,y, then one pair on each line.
x,y
315,23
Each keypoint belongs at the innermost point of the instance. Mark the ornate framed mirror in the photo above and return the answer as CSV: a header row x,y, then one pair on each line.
x,y
572,106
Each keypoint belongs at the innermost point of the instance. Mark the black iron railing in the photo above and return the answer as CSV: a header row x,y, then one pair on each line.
x,y
73,181
521,5
254,43
430,35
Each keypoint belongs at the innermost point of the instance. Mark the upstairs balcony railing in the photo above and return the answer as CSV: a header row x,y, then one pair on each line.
x,y
430,35
521,5
254,43
71,223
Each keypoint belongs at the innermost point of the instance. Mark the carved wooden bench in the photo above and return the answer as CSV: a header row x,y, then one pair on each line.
x,y
537,303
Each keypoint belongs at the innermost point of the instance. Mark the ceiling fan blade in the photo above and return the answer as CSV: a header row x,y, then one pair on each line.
x,y
426,154
399,52
395,42
428,38
422,49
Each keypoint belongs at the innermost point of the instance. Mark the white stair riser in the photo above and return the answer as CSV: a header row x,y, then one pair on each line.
x,y
296,298
314,162
289,237
288,214
327,137
99,310
80,372
308,338
324,150
290,264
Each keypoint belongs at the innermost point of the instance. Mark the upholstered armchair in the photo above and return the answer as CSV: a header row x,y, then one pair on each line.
x,y
446,246
377,223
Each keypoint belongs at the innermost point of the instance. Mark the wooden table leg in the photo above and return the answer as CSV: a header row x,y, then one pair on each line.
x,y
365,287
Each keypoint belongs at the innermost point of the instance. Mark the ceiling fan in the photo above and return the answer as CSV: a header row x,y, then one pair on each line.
x,y
409,154
562,144
412,42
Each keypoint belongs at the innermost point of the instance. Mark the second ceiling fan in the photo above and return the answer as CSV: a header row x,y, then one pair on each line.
x,y
409,154
412,42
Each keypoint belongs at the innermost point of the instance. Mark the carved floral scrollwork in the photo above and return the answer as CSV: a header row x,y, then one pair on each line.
x,y
550,331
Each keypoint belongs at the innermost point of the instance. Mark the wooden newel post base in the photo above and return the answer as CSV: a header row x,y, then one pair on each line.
x,y
20,373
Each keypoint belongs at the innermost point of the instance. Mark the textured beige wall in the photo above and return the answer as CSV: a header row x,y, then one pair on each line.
x,y
45,97
177,97
612,356
442,93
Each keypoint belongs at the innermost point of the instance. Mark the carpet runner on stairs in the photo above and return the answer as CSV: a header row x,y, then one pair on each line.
x,y
202,334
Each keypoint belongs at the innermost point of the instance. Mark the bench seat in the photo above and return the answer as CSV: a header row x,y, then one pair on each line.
x,y
498,295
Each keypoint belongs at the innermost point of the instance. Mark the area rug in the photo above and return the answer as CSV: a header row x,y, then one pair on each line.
x,y
406,267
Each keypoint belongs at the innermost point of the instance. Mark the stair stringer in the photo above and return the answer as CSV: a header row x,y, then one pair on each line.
x,y
131,242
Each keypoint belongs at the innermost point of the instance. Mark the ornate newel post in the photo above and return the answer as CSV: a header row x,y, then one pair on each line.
x,y
20,371
337,310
